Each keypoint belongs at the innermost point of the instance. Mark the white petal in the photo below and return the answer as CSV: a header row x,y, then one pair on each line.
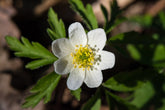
x,y
97,38
107,60
75,78
93,78
77,34
62,47
63,65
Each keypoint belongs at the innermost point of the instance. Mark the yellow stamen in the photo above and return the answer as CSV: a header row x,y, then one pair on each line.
x,y
75,66
83,57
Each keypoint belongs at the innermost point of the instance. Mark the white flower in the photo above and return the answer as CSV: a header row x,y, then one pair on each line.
x,y
82,56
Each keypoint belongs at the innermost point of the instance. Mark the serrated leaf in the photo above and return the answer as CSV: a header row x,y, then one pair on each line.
x,y
115,10
105,13
86,13
32,50
38,63
52,34
91,16
76,93
32,101
114,21
57,26
115,101
43,89
94,103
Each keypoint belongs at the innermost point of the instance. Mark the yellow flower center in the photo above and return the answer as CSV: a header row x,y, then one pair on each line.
x,y
83,57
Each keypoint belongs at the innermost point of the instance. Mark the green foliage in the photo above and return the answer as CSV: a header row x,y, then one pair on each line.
x,y
105,13
152,93
114,21
146,92
115,10
148,50
57,26
127,81
162,19
134,53
149,92
145,85
32,50
43,89
77,94
94,102
116,101
86,13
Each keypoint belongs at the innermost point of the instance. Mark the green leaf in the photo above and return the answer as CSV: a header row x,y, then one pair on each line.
x,y
87,14
115,10
94,102
57,26
152,55
43,89
118,41
97,105
121,37
32,50
151,93
115,101
158,58
77,93
52,34
105,13
114,21
162,19
146,92
128,81
38,63
134,52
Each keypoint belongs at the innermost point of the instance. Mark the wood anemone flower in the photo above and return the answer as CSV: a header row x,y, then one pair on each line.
x,y
82,56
